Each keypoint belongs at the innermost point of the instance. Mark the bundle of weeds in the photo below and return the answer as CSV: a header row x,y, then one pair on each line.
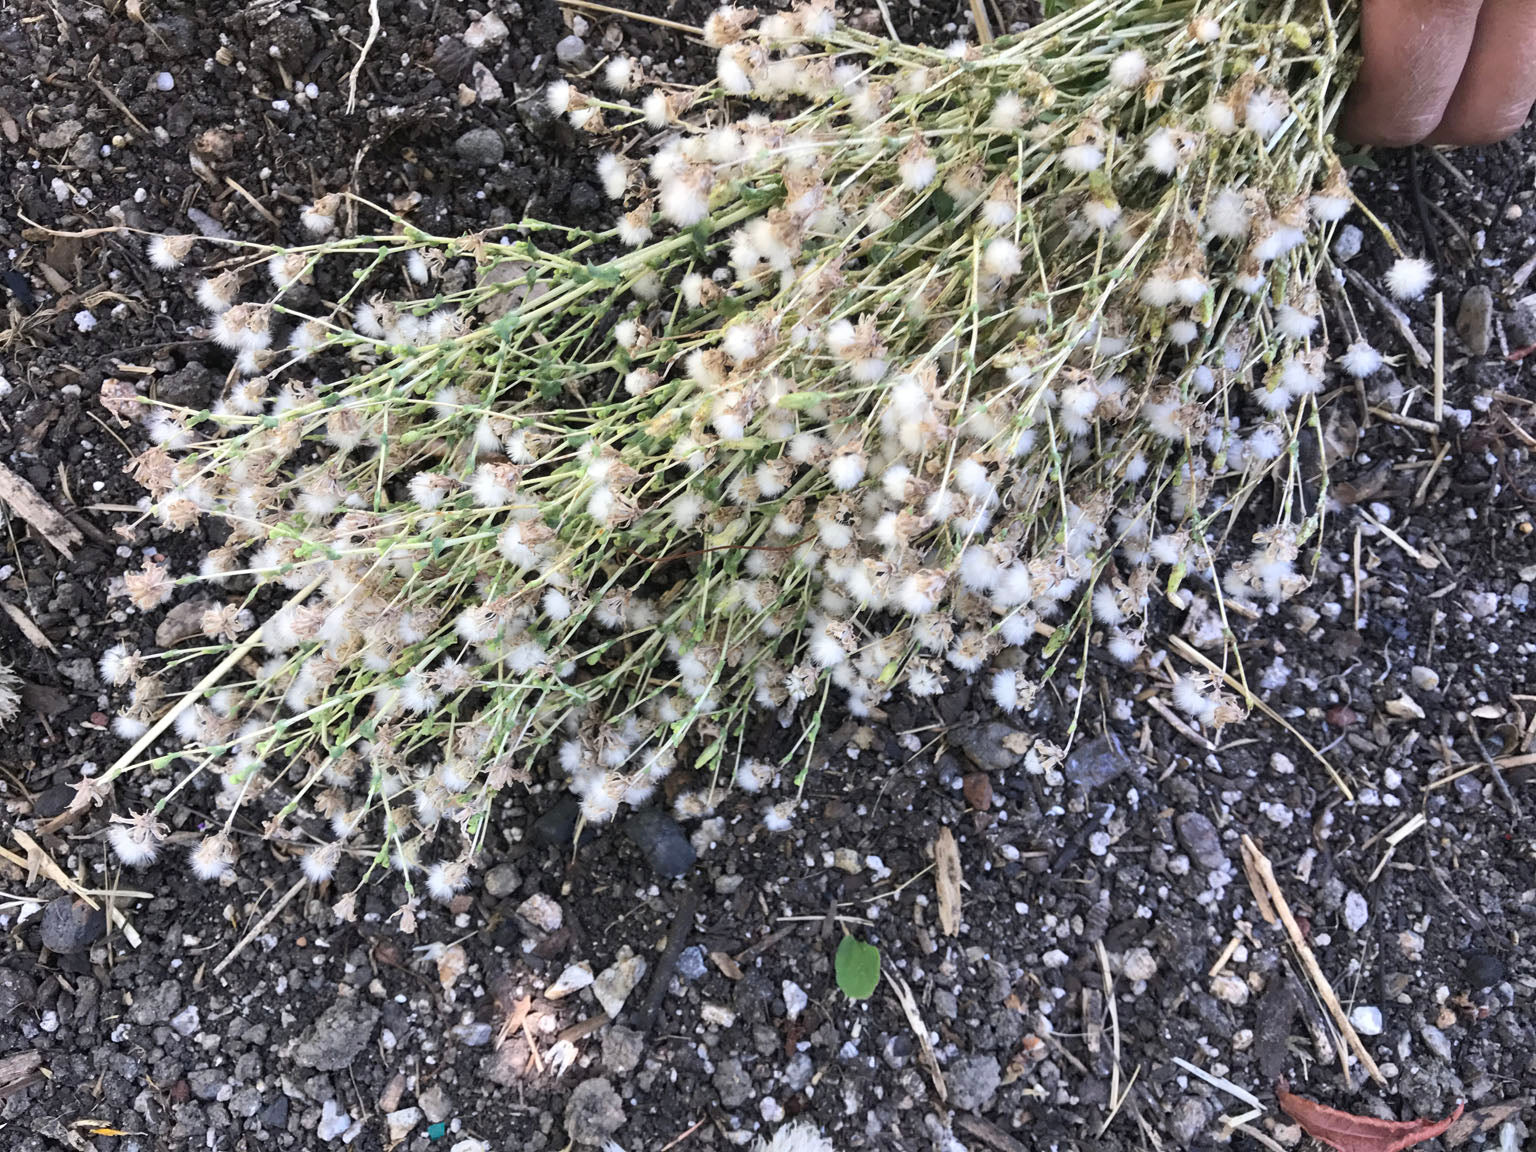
x,y
900,367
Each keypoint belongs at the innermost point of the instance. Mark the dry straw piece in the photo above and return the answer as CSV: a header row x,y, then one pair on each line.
x,y
896,356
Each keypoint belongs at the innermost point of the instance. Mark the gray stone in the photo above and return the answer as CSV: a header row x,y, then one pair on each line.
x,y
594,1112
480,148
983,745
190,386
1189,1119
206,1082
1097,762
246,1102
435,1104
156,1007
540,915
661,842
187,1021
568,50
334,1040
71,925
798,1072
502,880
1520,324
973,1082
690,963
1200,840
1347,244
1474,319
614,983
623,1049
732,1083
401,1123
1436,1041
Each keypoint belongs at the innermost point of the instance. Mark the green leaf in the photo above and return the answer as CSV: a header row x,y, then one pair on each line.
x,y
800,401
857,966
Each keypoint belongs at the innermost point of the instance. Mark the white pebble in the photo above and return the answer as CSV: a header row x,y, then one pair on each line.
x,y
1356,912
84,320
1367,1020
164,81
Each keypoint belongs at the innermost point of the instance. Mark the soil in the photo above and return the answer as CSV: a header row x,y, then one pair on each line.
x,y
1404,662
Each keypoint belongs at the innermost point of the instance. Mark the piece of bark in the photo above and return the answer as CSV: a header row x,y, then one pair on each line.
x,y
23,500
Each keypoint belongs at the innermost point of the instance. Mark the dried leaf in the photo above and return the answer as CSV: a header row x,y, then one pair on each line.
x,y
1349,1133
947,877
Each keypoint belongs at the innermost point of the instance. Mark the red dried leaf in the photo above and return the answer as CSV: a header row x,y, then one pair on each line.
x,y
1349,1133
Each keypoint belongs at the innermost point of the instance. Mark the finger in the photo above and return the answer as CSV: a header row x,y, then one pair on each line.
x,y
1415,51
1497,84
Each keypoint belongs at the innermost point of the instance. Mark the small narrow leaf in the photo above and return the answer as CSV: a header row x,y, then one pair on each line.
x,y
857,966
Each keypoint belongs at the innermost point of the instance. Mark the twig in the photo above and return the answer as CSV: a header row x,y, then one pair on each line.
x,y
908,1002
373,34
236,654
23,499
1423,559
1221,1082
260,926
31,631
1186,650
684,1136
590,6
1392,417
1439,357
987,1132
682,924
1266,872
1178,725
37,859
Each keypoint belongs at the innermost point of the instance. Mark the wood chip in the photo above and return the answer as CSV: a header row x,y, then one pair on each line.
x,y
28,629
728,967
23,499
19,1070
947,878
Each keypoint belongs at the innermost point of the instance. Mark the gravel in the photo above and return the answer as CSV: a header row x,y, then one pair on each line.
x,y
973,1082
338,1036
480,148
71,925
594,1112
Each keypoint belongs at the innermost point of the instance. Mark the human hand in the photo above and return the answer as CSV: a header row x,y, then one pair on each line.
x,y
1443,71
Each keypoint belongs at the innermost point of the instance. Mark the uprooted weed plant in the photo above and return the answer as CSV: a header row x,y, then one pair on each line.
x,y
901,366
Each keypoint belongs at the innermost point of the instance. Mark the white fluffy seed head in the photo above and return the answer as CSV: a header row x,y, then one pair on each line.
x,y
1360,359
1128,69
1408,277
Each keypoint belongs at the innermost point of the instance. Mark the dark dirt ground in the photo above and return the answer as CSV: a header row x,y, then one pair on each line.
x,y
322,1024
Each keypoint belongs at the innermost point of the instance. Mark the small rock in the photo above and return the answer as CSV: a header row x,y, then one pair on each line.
x,y
246,1102
617,981
1139,964
275,1115
1483,605
1474,319
502,880
593,1112
486,87
977,789
335,1039
732,1083
480,148
1405,707
1356,911
1097,762
557,827
206,1083
1436,1041
1200,839
795,999
1367,1019
1347,243
1520,324
540,915
401,1122
770,1109
622,1050
573,979
973,1082
158,1006
570,49
991,746
187,1021
71,925
690,963
661,841
1189,1119
333,1121
1229,989
717,1014
1424,679
470,1145
847,860
486,32
798,1072
435,1104
1483,970
60,135
476,1034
